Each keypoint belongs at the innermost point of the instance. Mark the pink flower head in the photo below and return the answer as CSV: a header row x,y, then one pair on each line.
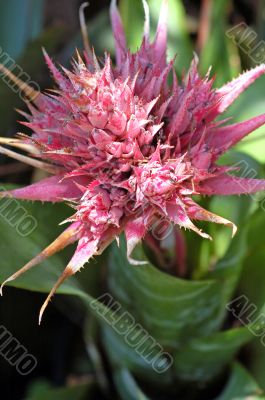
x,y
126,149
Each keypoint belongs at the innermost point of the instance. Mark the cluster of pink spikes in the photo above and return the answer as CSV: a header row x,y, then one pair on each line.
x,y
125,148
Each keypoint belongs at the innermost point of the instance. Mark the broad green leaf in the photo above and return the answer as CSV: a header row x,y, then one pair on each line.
x,y
253,274
227,270
127,386
149,295
172,311
130,352
250,255
204,358
165,305
241,386
252,285
257,361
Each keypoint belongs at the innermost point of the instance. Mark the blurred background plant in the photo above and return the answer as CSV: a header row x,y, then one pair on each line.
x,y
183,306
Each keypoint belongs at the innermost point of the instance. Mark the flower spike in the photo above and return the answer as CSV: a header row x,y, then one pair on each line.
x,y
127,150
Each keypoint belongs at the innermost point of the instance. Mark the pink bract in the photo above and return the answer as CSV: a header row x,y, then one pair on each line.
x,y
129,149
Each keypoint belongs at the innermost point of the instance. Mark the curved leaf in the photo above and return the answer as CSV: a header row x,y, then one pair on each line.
x,y
204,358
165,305
241,386
127,386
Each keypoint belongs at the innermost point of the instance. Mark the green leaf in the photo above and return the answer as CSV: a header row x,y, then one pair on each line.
x,y
150,298
20,21
253,274
42,277
41,390
178,39
127,386
219,52
204,358
167,306
171,310
24,248
91,331
251,103
124,354
132,11
228,268
179,42
21,249
27,70
241,386
252,285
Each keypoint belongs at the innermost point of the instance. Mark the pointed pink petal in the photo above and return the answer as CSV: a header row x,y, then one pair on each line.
x,y
135,230
199,213
147,19
181,118
48,189
222,138
193,74
160,43
118,32
90,246
230,92
86,248
58,77
228,185
178,215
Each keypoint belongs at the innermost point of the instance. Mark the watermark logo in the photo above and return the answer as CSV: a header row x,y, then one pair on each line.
x,y
246,39
17,216
245,312
15,353
133,333
8,62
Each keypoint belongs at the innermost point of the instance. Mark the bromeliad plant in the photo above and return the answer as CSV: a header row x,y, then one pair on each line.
x,y
126,149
